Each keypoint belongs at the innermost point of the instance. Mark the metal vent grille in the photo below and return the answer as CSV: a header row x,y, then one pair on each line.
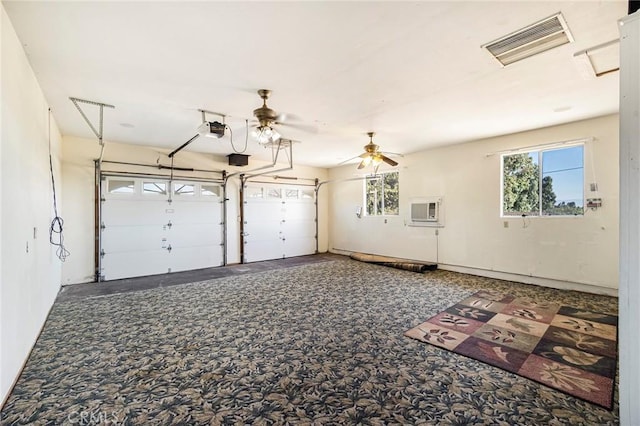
x,y
531,40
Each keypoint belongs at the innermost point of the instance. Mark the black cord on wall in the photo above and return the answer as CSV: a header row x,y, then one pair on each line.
x,y
55,230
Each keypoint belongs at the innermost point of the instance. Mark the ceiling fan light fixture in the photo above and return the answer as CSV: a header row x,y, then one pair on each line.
x,y
372,156
266,134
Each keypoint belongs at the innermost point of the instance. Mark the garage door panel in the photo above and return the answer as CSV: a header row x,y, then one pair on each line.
x,y
280,225
187,258
265,231
127,264
300,211
263,212
196,212
300,246
118,238
256,251
301,228
134,212
183,235
140,227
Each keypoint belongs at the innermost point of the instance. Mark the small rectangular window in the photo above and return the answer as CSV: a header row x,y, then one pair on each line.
x,y
291,193
121,186
381,194
307,194
158,188
544,183
183,189
210,190
274,193
253,192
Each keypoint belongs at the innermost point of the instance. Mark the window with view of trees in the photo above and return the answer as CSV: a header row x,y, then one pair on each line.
x,y
381,194
543,183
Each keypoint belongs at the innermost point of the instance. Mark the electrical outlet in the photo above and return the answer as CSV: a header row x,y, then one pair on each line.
x,y
505,224
594,203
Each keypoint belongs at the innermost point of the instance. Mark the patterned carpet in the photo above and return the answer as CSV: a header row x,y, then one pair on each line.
x,y
315,344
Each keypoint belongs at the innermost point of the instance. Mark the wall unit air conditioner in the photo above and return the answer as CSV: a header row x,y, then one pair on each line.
x,y
426,211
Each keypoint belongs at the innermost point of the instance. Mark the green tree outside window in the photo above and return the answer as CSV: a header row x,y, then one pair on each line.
x,y
543,183
382,194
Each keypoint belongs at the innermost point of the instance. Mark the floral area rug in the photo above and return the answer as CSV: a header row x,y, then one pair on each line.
x,y
568,349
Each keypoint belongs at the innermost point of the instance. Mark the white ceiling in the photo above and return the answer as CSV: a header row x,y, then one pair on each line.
x,y
413,72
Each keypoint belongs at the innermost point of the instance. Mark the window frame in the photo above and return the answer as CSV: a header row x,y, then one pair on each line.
x,y
117,192
150,193
205,193
540,155
380,177
177,187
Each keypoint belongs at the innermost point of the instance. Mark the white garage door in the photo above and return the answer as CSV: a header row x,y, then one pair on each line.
x,y
146,230
279,221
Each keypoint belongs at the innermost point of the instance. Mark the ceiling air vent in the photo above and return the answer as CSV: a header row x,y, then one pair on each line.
x,y
531,40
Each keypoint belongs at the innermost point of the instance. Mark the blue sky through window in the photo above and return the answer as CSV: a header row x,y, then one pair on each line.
x,y
566,168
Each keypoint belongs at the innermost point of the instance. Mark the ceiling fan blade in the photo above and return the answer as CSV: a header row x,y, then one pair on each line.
x,y
388,160
364,155
365,161
309,128
287,116
394,154
347,160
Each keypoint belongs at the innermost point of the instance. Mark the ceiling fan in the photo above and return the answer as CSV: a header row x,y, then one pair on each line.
x,y
267,119
373,155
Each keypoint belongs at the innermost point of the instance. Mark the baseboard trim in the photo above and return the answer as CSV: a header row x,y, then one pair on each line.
x,y
509,276
526,279
343,252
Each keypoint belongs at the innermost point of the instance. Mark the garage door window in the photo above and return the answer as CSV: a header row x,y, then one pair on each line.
x,y
253,192
183,189
121,186
274,193
158,188
210,190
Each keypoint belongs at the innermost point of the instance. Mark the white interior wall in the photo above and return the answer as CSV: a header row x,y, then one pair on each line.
x,y
78,181
564,252
29,270
629,224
